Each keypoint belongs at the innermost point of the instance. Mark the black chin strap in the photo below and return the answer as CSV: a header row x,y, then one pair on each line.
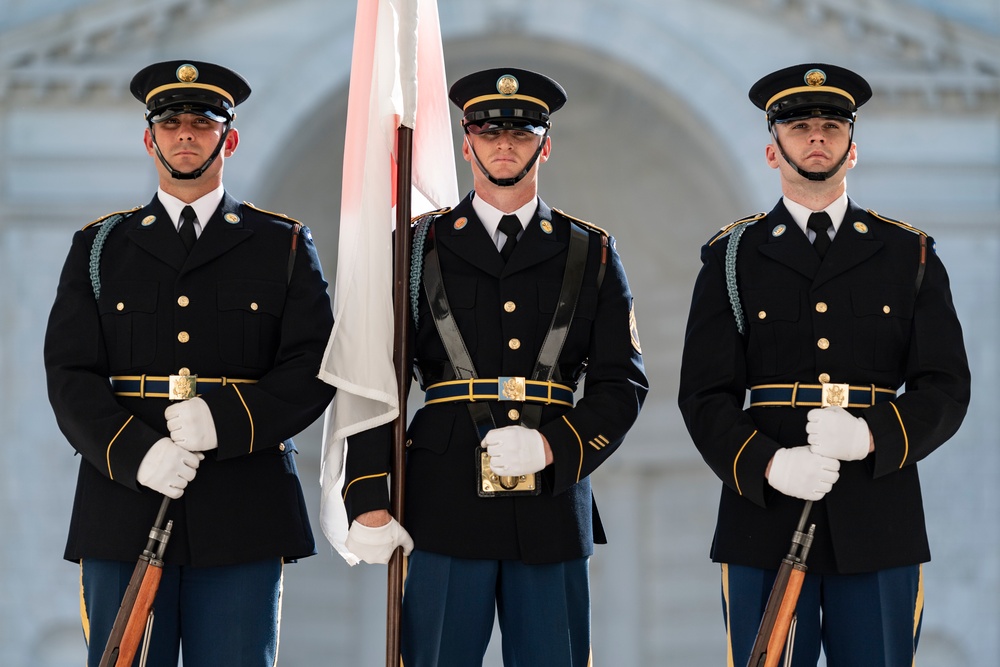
x,y
190,175
507,182
813,175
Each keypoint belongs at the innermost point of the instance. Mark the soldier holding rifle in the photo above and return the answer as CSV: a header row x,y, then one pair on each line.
x,y
839,322
182,353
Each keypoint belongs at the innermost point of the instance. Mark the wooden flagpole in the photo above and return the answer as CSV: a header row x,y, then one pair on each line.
x,y
401,361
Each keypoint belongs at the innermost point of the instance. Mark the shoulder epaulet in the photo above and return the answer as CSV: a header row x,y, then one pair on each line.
x,y
898,223
276,215
111,215
588,225
725,231
441,211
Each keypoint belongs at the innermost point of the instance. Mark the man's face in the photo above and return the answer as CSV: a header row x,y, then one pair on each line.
x,y
814,144
187,141
505,152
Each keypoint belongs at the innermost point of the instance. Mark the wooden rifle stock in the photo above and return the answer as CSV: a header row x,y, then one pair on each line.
x,y
779,614
135,610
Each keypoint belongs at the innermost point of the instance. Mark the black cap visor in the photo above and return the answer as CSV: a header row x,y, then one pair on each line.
x,y
202,103
811,105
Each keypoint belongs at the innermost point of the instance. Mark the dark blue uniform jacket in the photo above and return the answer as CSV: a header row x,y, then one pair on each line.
x,y
857,317
243,317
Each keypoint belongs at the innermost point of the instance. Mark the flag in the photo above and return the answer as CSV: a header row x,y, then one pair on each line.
x,y
397,43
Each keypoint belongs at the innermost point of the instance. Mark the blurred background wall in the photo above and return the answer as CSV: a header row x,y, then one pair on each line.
x,y
658,144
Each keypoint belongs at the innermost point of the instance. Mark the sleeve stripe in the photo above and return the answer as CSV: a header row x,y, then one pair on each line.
x,y
736,478
111,444
579,469
347,488
249,416
906,439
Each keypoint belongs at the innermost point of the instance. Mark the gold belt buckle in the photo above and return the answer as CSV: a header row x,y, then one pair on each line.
x,y
511,389
183,386
835,395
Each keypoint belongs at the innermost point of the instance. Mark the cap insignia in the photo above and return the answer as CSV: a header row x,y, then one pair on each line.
x,y
778,231
460,223
815,77
507,85
546,226
860,228
187,73
148,220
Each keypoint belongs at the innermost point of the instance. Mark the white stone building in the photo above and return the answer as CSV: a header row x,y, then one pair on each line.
x,y
658,144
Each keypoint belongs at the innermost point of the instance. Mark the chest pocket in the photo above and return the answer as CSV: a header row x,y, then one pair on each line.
x,y
128,323
249,321
882,320
772,318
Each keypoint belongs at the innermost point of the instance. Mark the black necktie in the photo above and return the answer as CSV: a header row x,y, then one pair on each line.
x,y
510,226
819,222
186,229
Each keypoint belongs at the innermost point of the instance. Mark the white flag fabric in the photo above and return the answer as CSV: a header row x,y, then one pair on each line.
x,y
392,51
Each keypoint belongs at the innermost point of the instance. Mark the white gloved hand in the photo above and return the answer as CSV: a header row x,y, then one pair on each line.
x,y
836,433
375,546
798,472
168,468
515,450
191,425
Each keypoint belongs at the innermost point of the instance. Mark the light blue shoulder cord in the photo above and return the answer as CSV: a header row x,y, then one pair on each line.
x,y
731,286
97,248
417,265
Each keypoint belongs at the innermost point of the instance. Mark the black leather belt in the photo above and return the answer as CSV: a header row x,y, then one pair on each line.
x,y
499,389
174,387
818,395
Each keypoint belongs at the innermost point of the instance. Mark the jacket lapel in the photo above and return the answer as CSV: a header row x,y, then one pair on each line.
x,y
541,241
853,244
225,230
787,244
154,231
463,234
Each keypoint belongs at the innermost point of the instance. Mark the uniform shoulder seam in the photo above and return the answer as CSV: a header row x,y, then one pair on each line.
x,y
725,231
441,211
584,223
898,223
111,215
277,215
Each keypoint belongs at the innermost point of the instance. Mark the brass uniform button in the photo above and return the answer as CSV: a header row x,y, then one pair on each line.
x,y
886,309
409,441
823,344
183,301
183,336
514,344
821,307
510,306
513,415
824,377
253,306
120,306
281,447
762,314
184,371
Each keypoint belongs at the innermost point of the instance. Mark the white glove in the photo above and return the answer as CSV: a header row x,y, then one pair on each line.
x,y
836,433
798,472
375,546
191,425
168,468
515,450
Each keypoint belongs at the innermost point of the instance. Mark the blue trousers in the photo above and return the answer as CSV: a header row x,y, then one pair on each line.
x,y
218,616
868,619
449,603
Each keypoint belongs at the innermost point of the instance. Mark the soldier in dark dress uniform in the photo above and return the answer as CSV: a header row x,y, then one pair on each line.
x,y
185,371
824,337
511,320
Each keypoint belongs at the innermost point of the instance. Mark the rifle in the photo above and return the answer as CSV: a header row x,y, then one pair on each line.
x,y
135,616
777,627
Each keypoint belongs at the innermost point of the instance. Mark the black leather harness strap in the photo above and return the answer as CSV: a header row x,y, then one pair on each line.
x,y
546,365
